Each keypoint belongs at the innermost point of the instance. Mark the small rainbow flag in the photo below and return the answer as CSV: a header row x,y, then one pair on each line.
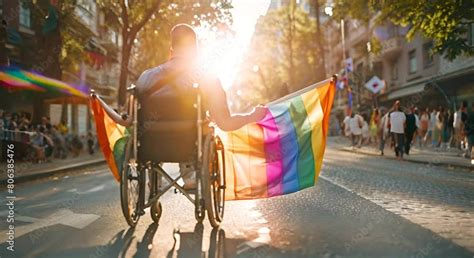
x,y
283,152
112,137
15,78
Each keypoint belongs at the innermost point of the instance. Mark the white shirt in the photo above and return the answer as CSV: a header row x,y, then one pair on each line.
x,y
347,128
355,123
365,129
397,122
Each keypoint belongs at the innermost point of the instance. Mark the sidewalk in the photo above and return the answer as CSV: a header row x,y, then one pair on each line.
x,y
449,158
25,171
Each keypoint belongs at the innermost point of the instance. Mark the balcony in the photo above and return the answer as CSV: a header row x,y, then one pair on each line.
x,y
391,48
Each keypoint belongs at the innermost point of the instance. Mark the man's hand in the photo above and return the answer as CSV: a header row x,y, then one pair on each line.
x,y
258,113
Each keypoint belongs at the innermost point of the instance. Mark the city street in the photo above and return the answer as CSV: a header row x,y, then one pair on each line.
x,y
362,206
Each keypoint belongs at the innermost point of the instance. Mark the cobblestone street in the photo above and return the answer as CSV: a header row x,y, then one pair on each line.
x,y
362,206
437,198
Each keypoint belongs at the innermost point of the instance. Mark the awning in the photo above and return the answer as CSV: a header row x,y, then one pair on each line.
x,y
406,91
67,100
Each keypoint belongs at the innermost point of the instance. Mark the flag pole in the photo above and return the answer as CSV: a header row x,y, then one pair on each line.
x,y
304,90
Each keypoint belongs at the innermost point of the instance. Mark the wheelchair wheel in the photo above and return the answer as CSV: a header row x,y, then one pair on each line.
x,y
156,209
213,179
130,187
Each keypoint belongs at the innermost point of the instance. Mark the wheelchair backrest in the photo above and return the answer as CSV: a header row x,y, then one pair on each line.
x,y
167,124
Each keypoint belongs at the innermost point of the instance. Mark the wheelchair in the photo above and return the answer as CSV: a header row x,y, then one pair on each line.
x,y
169,128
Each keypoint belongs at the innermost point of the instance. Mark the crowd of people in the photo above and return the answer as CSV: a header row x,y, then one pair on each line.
x,y
438,128
41,142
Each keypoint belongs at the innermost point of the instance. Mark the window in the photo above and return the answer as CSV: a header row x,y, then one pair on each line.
x,y
25,14
412,61
394,71
428,54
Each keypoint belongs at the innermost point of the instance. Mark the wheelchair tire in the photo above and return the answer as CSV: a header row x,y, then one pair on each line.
x,y
213,182
130,188
155,211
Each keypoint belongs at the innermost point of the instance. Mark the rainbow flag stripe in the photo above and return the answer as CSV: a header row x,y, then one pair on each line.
x,y
16,78
112,138
283,152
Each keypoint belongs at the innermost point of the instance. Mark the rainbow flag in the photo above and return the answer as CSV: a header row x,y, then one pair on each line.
x,y
15,78
283,152
112,138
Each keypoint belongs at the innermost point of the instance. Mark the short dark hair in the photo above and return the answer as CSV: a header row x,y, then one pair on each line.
x,y
183,35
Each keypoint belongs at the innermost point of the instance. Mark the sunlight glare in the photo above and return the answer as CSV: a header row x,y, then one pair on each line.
x,y
221,52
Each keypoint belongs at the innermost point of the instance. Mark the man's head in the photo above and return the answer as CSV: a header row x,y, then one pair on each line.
x,y
396,105
183,40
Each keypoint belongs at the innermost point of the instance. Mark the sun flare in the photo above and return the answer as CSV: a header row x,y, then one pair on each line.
x,y
221,51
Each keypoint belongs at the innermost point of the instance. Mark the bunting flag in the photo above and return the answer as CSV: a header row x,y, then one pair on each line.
x,y
112,138
15,78
283,152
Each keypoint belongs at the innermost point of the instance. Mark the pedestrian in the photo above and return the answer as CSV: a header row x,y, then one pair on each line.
x,y
458,125
355,124
76,145
37,143
60,150
365,131
432,128
397,128
424,125
374,124
346,126
410,129
383,130
438,129
62,127
469,131
90,143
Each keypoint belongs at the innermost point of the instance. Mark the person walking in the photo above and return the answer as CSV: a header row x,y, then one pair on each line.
x,y
365,131
410,129
469,131
383,130
458,125
439,126
355,124
424,125
432,128
397,128
346,126
374,124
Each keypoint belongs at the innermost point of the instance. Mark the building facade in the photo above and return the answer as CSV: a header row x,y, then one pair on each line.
x,y
27,34
411,71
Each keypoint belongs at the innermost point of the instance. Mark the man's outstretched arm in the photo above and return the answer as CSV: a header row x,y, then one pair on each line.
x,y
219,111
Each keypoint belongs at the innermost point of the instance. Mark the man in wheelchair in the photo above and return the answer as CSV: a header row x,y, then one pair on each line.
x,y
181,75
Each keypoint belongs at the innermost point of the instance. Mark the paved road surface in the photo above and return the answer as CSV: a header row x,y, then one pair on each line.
x,y
362,206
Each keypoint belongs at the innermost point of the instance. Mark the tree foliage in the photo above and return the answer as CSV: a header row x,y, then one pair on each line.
x,y
153,42
131,16
445,21
61,39
283,57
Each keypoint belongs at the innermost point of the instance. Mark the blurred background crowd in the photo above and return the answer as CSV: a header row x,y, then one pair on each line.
x,y
438,128
44,141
